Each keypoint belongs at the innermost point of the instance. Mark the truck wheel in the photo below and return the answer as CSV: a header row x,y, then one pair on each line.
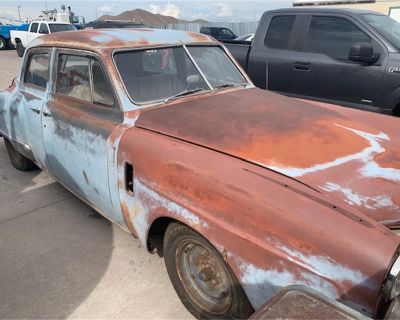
x,y
20,49
18,161
3,43
202,279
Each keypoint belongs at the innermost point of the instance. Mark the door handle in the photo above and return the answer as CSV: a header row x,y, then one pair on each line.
x,y
47,114
35,110
302,66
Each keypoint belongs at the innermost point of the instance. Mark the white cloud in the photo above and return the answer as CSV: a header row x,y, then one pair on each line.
x,y
224,10
107,8
169,9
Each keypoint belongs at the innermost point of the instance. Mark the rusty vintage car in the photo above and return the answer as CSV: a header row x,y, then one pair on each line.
x,y
242,191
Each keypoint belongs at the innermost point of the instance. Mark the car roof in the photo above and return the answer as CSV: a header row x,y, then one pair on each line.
x,y
52,22
350,11
100,40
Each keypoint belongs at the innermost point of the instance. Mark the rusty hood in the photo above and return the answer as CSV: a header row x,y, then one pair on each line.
x,y
348,155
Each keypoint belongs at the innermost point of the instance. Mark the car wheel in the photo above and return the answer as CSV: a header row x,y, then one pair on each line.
x,y
20,49
18,161
202,279
3,43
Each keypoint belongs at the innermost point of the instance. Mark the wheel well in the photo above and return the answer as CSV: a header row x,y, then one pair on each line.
x,y
396,111
156,234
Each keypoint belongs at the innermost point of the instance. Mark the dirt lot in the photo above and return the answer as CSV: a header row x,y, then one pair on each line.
x,y
60,259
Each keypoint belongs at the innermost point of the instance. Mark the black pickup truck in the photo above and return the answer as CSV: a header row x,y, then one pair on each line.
x,y
343,56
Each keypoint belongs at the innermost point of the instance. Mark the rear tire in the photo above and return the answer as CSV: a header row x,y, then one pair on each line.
x,y
202,279
18,161
20,49
3,43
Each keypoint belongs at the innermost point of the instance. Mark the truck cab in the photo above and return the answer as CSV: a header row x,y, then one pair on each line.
x,y
21,39
218,33
343,56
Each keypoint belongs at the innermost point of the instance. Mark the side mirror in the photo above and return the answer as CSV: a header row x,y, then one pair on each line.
x,y
363,52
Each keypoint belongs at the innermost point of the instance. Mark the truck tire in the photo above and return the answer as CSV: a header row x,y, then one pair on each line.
x,y
17,160
3,43
20,49
201,277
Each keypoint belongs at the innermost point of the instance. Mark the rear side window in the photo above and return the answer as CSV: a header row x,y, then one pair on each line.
x,y
279,31
37,71
333,36
34,27
83,78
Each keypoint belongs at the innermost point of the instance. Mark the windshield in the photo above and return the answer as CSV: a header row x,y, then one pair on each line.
x,y
386,27
55,27
161,74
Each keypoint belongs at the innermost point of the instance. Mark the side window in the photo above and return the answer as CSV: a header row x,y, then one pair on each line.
x,y
37,71
83,78
102,93
43,29
73,78
34,27
279,31
226,32
333,36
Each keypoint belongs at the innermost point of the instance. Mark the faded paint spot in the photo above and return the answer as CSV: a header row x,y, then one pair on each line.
x,y
369,202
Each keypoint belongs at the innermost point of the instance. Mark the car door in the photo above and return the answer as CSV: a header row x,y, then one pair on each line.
x,y
33,31
34,86
271,60
78,120
322,66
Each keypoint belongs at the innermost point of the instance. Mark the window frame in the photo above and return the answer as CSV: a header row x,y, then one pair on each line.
x,y
26,64
376,43
91,56
184,45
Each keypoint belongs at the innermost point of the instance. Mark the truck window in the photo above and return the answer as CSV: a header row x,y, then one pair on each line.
x,y
37,71
34,27
77,76
332,36
226,32
43,29
279,31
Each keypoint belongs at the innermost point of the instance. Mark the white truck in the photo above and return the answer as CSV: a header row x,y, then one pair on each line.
x,y
21,39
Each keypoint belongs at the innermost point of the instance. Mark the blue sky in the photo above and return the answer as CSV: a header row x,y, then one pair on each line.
x,y
190,9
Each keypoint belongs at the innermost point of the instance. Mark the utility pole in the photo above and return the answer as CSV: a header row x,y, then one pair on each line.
x,y
19,13
181,6
45,2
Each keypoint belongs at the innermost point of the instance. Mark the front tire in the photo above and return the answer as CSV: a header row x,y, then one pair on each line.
x,y
20,49
18,161
202,279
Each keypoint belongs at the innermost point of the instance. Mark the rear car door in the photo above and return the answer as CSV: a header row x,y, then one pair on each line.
x,y
78,120
33,32
24,128
322,66
271,60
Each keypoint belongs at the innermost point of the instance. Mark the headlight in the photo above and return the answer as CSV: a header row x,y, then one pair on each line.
x,y
391,288
393,311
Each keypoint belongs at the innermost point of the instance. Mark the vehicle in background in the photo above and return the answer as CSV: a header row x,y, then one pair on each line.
x,y
5,34
107,24
21,39
347,57
247,37
243,191
219,33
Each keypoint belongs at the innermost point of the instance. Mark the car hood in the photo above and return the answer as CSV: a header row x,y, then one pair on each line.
x,y
348,155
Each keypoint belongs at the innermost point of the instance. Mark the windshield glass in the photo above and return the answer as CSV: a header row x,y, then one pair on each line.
x,y
55,27
157,75
386,27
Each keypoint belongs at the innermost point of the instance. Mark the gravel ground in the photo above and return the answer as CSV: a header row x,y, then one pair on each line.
x,y
60,259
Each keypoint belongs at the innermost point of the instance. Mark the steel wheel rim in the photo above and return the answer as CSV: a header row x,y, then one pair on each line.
x,y
204,277
2,43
